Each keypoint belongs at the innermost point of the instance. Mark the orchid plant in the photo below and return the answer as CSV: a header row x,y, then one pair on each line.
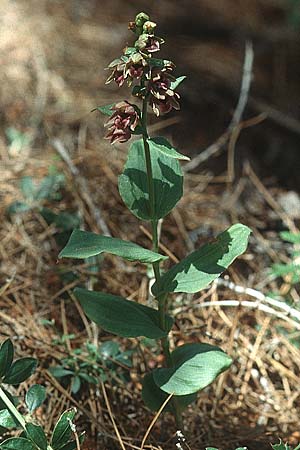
x,y
150,186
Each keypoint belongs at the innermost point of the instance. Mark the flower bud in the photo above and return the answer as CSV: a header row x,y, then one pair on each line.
x,y
149,27
141,18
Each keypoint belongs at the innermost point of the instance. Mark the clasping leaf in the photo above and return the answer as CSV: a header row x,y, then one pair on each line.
x,y
200,268
83,244
120,316
195,367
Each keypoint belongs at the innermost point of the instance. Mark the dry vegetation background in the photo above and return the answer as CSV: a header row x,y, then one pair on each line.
x,y
52,57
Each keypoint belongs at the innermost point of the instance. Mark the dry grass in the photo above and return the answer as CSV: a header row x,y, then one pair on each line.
x,y
52,70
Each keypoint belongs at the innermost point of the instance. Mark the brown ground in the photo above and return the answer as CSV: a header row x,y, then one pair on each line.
x,y
52,60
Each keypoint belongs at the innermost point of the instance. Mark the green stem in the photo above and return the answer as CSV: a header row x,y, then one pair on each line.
x,y
11,407
162,300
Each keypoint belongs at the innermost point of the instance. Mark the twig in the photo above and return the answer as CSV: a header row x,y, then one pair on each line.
x,y
269,199
237,115
82,185
112,417
288,310
155,419
252,305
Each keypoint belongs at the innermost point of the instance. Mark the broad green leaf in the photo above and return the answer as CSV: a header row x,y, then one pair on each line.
x,y
195,367
83,244
106,109
211,448
200,268
177,82
37,435
167,179
35,396
154,397
120,316
62,431
7,420
28,188
17,444
6,357
20,370
163,146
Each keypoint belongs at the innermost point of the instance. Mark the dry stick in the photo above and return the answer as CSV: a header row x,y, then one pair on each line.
x,y
233,140
83,186
253,355
289,311
251,305
269,199
237,115
155,420
112,417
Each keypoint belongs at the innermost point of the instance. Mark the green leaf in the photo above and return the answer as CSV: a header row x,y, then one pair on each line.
x,y
35,396
83,244
18,208
37,435
6,356
154,397
177,82
163,146
17,444
195,367
20,370
62,430
106,109
200,268
76,384
49,187
167,179
109,349
281,446
7,420
28,188
293,238
60,372
120,316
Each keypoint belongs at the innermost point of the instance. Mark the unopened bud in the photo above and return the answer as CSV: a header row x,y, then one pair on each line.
x,y
132,26
141,18
149,27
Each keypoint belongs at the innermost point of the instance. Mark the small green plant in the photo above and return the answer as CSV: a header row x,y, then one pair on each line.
x,y
92,364
31,434
289,270
36,196
150,186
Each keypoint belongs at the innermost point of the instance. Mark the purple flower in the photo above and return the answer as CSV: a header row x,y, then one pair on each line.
x,y
136,67
118,71
127,68
162,97
122,123
149,43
